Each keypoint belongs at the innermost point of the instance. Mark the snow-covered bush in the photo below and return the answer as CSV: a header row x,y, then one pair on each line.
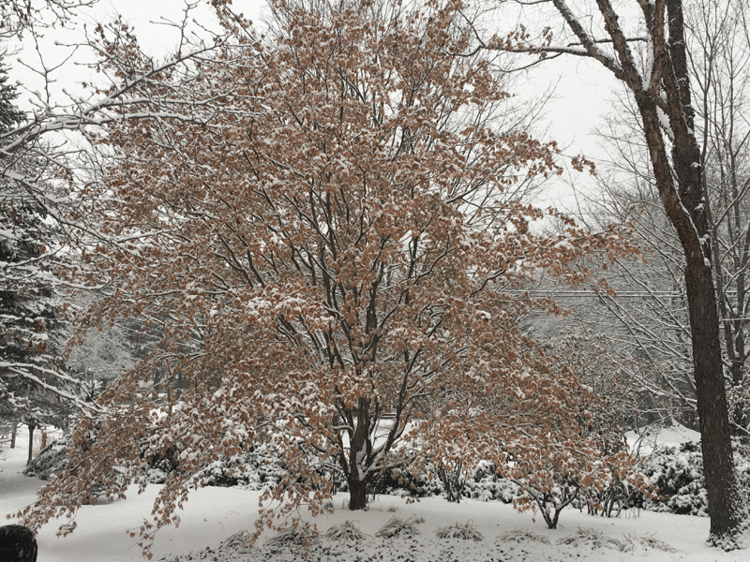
x,y
258,469
396,527
346,532
484,484
676,473
521,536
466,531
395,481
53,458
592,538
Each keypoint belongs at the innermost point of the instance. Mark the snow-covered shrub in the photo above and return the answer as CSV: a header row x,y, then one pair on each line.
x,y
592,538
53,458
522,536
396,527
676,474
485,484
467,532
402,482
346,532
649,542
258,469
290,539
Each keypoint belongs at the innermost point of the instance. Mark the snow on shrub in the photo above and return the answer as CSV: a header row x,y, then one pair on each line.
x,y
258,469
396,527
50,460
592,538
521,536
634,543
346,532
467,532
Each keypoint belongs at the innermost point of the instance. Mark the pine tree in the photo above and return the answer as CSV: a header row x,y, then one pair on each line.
x,y
29,319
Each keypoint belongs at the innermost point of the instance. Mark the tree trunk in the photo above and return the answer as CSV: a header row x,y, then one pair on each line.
x,y
357,494
725,504
682,203
13,434
31,442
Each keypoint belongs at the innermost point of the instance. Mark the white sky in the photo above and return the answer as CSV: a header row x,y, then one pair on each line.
x,y
582,96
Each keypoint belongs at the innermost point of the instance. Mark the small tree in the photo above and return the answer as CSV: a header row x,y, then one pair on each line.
x,y
327,245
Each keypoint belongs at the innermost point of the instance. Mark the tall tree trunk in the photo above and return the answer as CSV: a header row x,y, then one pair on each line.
x,y
357,494
32,426
13,434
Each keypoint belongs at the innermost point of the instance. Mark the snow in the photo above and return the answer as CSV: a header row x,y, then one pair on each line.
x,y
213,515
675,434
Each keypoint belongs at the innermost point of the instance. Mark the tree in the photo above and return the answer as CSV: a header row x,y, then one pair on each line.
x,y
661,89
43,221
32,379
329,248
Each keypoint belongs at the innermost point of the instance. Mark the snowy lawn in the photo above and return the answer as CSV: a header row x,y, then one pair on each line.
x,y
213,515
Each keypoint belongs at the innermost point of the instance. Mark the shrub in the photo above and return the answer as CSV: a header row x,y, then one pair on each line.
x,y
398,528
522,536
257,469
592,538
634,542
290,539
467,532
676,474
346,532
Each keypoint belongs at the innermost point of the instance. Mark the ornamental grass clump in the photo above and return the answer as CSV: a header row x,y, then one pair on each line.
x,y
590,537
522,536
467,532
290,539
346,532
398,528
634,542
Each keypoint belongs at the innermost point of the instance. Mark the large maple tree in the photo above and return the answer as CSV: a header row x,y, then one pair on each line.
x,y
320,222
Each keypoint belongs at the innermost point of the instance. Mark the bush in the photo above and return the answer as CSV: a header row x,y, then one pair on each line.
x,y
522,536
398,528
258,469
592,538
346,532
394,480
484,484
467,532
50,460
676,473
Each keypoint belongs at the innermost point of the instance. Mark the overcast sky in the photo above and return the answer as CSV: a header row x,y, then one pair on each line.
x,y
581,99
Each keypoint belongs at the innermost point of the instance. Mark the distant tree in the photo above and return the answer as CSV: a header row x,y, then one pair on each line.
x,y
32,377
319,223
656,325
10,115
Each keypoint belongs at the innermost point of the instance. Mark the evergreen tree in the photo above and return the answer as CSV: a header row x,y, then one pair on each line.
x,y
31,380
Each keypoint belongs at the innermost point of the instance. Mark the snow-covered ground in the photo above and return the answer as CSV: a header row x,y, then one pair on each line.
x,y
212,515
